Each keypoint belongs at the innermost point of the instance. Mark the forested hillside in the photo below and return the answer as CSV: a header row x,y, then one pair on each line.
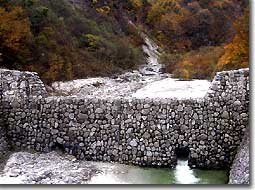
x,y
196,33
67,39
62,41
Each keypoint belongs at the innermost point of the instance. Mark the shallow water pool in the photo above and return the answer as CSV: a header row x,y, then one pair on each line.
x,y
182,174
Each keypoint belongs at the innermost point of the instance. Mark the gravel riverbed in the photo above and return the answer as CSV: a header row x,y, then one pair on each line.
x,y
50,168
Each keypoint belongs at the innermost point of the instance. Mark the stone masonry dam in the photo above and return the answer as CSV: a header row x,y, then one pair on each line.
x,y
145,132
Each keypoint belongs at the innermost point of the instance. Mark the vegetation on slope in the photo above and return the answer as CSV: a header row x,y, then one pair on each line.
x,y
195,33
62,42
237,52
67,39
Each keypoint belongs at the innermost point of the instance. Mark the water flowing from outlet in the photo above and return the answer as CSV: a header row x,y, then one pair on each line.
x,y
184,174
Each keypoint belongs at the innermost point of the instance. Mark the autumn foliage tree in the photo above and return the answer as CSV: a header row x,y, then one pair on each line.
x,y
199,64
184,25
193,33
15,36
237,52
61,41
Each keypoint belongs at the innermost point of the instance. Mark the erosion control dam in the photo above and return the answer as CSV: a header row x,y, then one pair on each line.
x,y
145,132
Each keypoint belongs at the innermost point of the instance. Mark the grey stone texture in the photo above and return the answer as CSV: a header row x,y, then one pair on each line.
x,y
240,170
143,132
20,85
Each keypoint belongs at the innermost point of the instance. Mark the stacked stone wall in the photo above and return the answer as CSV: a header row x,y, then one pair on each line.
x,y
4,146
133,131
240,170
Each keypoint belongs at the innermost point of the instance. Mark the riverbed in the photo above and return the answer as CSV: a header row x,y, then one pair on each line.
x,y
148,81
59,168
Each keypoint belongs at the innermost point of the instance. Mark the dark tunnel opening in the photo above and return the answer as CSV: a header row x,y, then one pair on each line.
x,y
58,147
182,153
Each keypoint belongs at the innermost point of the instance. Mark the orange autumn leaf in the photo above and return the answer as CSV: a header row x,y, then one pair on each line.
x,y
237,52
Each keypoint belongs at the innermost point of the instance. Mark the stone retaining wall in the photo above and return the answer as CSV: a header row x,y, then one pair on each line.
x,y
16,86
240,170
4,146
143,132
21,85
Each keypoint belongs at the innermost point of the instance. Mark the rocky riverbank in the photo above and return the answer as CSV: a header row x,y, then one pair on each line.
x,y
50,168
149,81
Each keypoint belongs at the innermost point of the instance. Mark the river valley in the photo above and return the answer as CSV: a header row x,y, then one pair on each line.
x,y
147,82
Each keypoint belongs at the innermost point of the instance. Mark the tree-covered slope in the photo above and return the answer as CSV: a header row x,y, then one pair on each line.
x,y
67,39
62,40
195,34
